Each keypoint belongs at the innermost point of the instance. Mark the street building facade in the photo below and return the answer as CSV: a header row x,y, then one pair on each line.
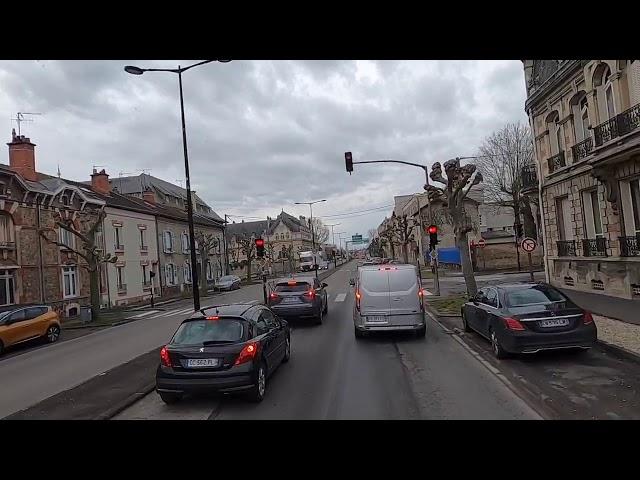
x,y
585,119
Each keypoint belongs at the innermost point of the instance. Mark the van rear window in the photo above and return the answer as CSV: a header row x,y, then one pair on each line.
x,y
376,281
402,280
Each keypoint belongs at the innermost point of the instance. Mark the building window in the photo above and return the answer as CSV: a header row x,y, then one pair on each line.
x,y
170,274
630,193
209,270
563,218
99,238
67,238
584,118
117,238
6,230
592,217
143,239
287,235
120,278
70,281
185,242
167,240
7,287
145,280
103,278
187,272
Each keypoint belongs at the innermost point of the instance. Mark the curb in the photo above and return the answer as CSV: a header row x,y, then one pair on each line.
x,y
621,351
126,403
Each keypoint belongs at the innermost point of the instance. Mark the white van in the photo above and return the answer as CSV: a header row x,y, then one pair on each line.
x,y
388,297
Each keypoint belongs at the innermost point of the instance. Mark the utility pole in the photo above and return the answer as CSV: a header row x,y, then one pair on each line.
x,y
226,252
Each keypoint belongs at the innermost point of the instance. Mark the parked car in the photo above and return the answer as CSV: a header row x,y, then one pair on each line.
x,y
225,348
528,318
299,297
388,298
228,282
23,323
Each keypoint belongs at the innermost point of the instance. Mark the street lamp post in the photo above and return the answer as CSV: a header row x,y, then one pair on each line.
x,y
333,236
192,241
313,236
340,241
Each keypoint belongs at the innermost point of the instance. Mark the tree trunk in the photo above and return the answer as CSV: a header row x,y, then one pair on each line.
x,y
462,243
248,270
203,275
529,227
94,286
405,253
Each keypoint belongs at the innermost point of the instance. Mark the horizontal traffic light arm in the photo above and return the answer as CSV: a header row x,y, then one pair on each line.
x,y
424,167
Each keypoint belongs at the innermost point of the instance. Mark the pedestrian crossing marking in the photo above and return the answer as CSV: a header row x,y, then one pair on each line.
x,y
143,314
340,297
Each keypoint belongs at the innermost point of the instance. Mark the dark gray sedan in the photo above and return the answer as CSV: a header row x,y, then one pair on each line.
x,y
228,282
528,318
299,297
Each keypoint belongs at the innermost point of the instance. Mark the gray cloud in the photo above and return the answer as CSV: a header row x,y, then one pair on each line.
x,y
263,135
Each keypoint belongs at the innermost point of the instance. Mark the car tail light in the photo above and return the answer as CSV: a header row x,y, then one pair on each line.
x,y
358,297
587,318
213,318
164,357
247,354
273,295
513,324
421,297
311,293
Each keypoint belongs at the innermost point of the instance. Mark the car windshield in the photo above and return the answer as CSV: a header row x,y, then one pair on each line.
x,y
306,259
293,287
228,278
199,332
533,296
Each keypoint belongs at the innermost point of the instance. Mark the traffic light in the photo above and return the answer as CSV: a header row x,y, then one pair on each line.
x,y
348,160
432,230
259,247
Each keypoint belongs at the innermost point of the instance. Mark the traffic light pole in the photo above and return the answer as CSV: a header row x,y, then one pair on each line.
x,y
436,278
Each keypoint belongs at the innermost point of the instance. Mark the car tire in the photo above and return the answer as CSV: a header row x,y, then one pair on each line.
x,y
1,348
498,351
465,324
287,350
170,398
259,387
421,332
52,334
359,334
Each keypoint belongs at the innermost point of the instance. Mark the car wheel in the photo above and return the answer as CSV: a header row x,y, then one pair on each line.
x,y
170,398
421,332
1,348
259,388
287,350
359,333
465,324
52,334
498,351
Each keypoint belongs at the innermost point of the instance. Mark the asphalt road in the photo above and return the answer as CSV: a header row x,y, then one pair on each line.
x,y
333,376
453,284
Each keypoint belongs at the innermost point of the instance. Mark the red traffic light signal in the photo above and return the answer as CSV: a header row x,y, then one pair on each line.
x,y
259,247
259,242
348,160
431,229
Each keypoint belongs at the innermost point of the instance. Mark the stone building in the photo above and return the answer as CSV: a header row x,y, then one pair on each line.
x,y
585,119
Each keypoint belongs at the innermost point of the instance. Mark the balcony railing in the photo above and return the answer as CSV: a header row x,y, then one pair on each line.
x,y
7,245
629,246
556,162
144,248
582,150
594,247
617,126
118,247
529,177
146,284
566,248
122,288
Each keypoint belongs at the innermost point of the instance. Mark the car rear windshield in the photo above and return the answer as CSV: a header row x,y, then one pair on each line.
x,y
293,287
532,296
197,332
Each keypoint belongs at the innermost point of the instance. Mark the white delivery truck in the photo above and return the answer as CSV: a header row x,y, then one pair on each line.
x,y
309,259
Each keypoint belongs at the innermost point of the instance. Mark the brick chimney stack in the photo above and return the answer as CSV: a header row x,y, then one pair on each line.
x,y
100,181
22,156
149,196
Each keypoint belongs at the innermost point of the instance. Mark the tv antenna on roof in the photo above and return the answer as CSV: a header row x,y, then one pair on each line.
x,y
20,118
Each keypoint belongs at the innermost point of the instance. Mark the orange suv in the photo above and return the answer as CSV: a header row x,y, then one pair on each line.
x,y
22,323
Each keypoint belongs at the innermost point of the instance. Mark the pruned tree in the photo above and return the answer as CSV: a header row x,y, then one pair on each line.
x,y
504,154
402,229
457,183
389,238
208,244
320,231
83,225
246,244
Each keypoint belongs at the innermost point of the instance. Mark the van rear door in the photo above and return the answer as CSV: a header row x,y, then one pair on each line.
x,y
374,292
403,292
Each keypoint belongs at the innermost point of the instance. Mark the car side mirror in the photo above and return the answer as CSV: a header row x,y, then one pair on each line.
x,y
352,282
324,285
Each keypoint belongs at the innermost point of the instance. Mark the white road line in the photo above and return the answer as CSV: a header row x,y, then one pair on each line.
x,y
340,297
427,292
144,314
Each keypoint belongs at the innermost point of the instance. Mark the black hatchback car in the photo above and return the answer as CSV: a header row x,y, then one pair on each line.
x,y
528,318
299,297
226,348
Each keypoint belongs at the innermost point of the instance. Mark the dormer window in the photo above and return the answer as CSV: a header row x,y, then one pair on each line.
x,y
64,199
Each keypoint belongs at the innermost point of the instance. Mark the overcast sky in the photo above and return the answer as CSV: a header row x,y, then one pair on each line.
x,y
263,135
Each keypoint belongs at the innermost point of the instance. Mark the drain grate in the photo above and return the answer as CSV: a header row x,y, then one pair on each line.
x,y
597,284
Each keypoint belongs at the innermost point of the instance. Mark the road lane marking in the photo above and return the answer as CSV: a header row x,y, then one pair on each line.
x,y
340,297
143,314
426,292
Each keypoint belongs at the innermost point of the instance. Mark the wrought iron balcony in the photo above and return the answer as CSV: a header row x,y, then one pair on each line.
x,y
118,247
529,177
144,248
629,246
7,245
582,150
566,248
594,247
556,162
617,126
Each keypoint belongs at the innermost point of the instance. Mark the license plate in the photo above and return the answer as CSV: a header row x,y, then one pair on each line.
x,y
202,362
290,300
376,319
555,322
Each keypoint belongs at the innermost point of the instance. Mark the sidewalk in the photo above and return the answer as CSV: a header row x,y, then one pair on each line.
x,y
612,307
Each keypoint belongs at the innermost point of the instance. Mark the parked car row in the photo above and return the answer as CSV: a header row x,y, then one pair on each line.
x,y
28,322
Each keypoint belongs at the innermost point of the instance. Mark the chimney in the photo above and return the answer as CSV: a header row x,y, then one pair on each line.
x,y
302,218
22,156
100,181
149,196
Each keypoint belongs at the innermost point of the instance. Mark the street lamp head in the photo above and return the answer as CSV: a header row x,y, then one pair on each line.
x,y
133,70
